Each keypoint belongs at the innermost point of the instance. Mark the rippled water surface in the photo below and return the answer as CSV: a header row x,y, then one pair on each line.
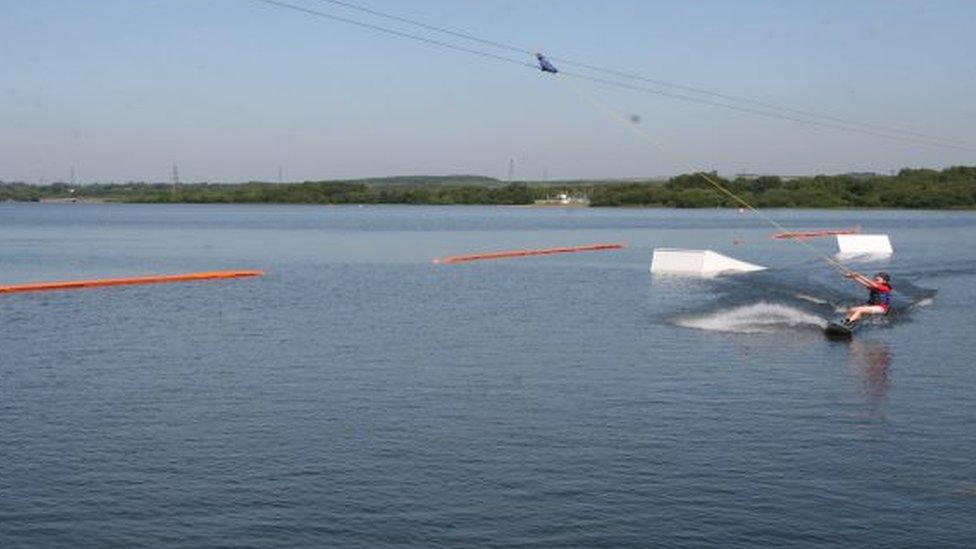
x,y
360,396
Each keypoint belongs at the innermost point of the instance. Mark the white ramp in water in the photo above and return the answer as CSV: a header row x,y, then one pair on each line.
x,y
679,261
864,244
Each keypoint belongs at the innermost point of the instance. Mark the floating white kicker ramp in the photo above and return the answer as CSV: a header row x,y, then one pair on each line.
x,y
697,262
864,244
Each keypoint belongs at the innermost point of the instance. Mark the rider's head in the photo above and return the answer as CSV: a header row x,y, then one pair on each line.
x,y
883,276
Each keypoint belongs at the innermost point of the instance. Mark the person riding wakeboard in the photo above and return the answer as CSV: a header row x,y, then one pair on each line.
x,y
879,300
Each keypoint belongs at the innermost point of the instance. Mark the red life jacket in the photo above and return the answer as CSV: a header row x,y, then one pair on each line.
x,y
880,295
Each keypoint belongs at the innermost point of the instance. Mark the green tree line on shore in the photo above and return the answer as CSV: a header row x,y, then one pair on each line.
x,y
951,188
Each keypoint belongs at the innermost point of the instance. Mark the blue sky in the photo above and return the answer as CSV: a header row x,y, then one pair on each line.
x,y
232,89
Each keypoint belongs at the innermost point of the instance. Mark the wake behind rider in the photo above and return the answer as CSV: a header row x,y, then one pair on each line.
x,y
879,300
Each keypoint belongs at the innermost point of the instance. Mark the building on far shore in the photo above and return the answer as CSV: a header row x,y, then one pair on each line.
x,y
755,176
564,199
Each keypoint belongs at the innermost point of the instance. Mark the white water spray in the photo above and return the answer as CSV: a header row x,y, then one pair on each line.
x,y
761,317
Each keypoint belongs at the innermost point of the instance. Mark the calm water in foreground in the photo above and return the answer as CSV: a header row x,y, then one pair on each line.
x,y
360,396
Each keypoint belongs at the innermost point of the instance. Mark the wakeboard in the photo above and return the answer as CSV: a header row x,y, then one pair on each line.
x,y
839,330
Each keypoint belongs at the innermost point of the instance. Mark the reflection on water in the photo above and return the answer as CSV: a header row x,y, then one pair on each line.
x,y
870,360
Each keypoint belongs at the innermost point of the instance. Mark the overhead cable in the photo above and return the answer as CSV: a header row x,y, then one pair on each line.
x,y
767,110
932,139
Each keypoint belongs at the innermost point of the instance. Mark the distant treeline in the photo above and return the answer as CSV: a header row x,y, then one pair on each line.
x,y
952,188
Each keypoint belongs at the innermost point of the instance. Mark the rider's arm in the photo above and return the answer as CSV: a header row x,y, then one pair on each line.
x,y
860,279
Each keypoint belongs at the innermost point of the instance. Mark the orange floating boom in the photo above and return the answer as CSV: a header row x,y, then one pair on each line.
x,y
524,253
157,279
817,234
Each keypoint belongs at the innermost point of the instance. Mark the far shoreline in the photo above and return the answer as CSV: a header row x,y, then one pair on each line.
x,y
910,189
82,203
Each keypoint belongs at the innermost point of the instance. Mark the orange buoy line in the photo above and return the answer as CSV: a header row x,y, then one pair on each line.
x,y
157,279
524,253
817,234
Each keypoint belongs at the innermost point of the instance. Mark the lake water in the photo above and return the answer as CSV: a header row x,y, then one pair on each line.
x,y
360,396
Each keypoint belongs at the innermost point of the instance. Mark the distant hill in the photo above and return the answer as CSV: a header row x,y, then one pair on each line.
x,y
427,181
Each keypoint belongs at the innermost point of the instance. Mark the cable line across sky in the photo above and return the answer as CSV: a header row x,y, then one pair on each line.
x,y
684,92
